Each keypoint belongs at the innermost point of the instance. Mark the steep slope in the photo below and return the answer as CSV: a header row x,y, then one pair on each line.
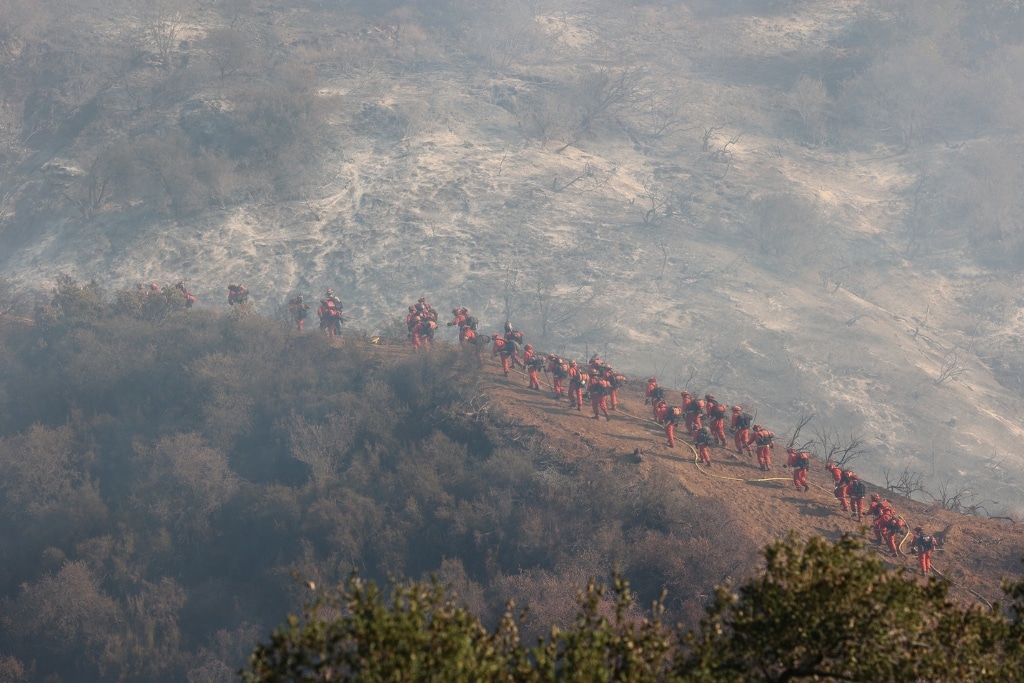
x,y
976,553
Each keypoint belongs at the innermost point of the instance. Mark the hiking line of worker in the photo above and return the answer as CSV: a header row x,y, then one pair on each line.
x,y
704,419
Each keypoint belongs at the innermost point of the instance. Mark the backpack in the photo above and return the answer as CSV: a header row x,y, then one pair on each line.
x,y
471,322
744,421
704,437
926,543
658,393
515,335
858,490
673,413
765,438
803,462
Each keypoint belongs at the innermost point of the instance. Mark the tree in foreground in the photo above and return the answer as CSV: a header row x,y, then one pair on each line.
x,y
832,612
819,611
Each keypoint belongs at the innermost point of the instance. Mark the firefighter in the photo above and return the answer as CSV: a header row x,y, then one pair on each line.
x,y
840,481
882,513
661,410
299,310
467,324
598,388
893,533
857,491
500,348
189,297
513,342
472,340
652,384
534,364
237,295
577,383
800,462
923,545
559,369
657,396
704,440
692,409
330,317
458,319
709,404
741,430
763,439
424,310
670,417
717,418
617,381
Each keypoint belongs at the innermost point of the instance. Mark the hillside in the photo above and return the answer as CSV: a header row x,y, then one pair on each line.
x,y
166,474
976,555
808,206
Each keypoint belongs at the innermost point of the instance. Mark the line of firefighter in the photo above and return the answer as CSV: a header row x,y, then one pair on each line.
x,y
600,383
597,381
849,490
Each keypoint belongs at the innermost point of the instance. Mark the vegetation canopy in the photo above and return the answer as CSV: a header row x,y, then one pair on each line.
x,y
818,611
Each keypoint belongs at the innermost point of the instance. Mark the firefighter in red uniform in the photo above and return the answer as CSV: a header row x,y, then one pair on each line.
x,y
237,294
709,405
577,383
800,462
428,326
558,369
704,439
670,418
883,514
467,324
741,426
763,438
661,409
300,311
458,319
877,508
513,342
893,534
840,481
190,298
416,332
617,380
327,314
471,339
652,383
923,545
657,396
718,424
692,409
856,490
500,348
599,388
534,364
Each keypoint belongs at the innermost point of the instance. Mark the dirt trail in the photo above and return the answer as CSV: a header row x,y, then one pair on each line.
x,y
976,554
